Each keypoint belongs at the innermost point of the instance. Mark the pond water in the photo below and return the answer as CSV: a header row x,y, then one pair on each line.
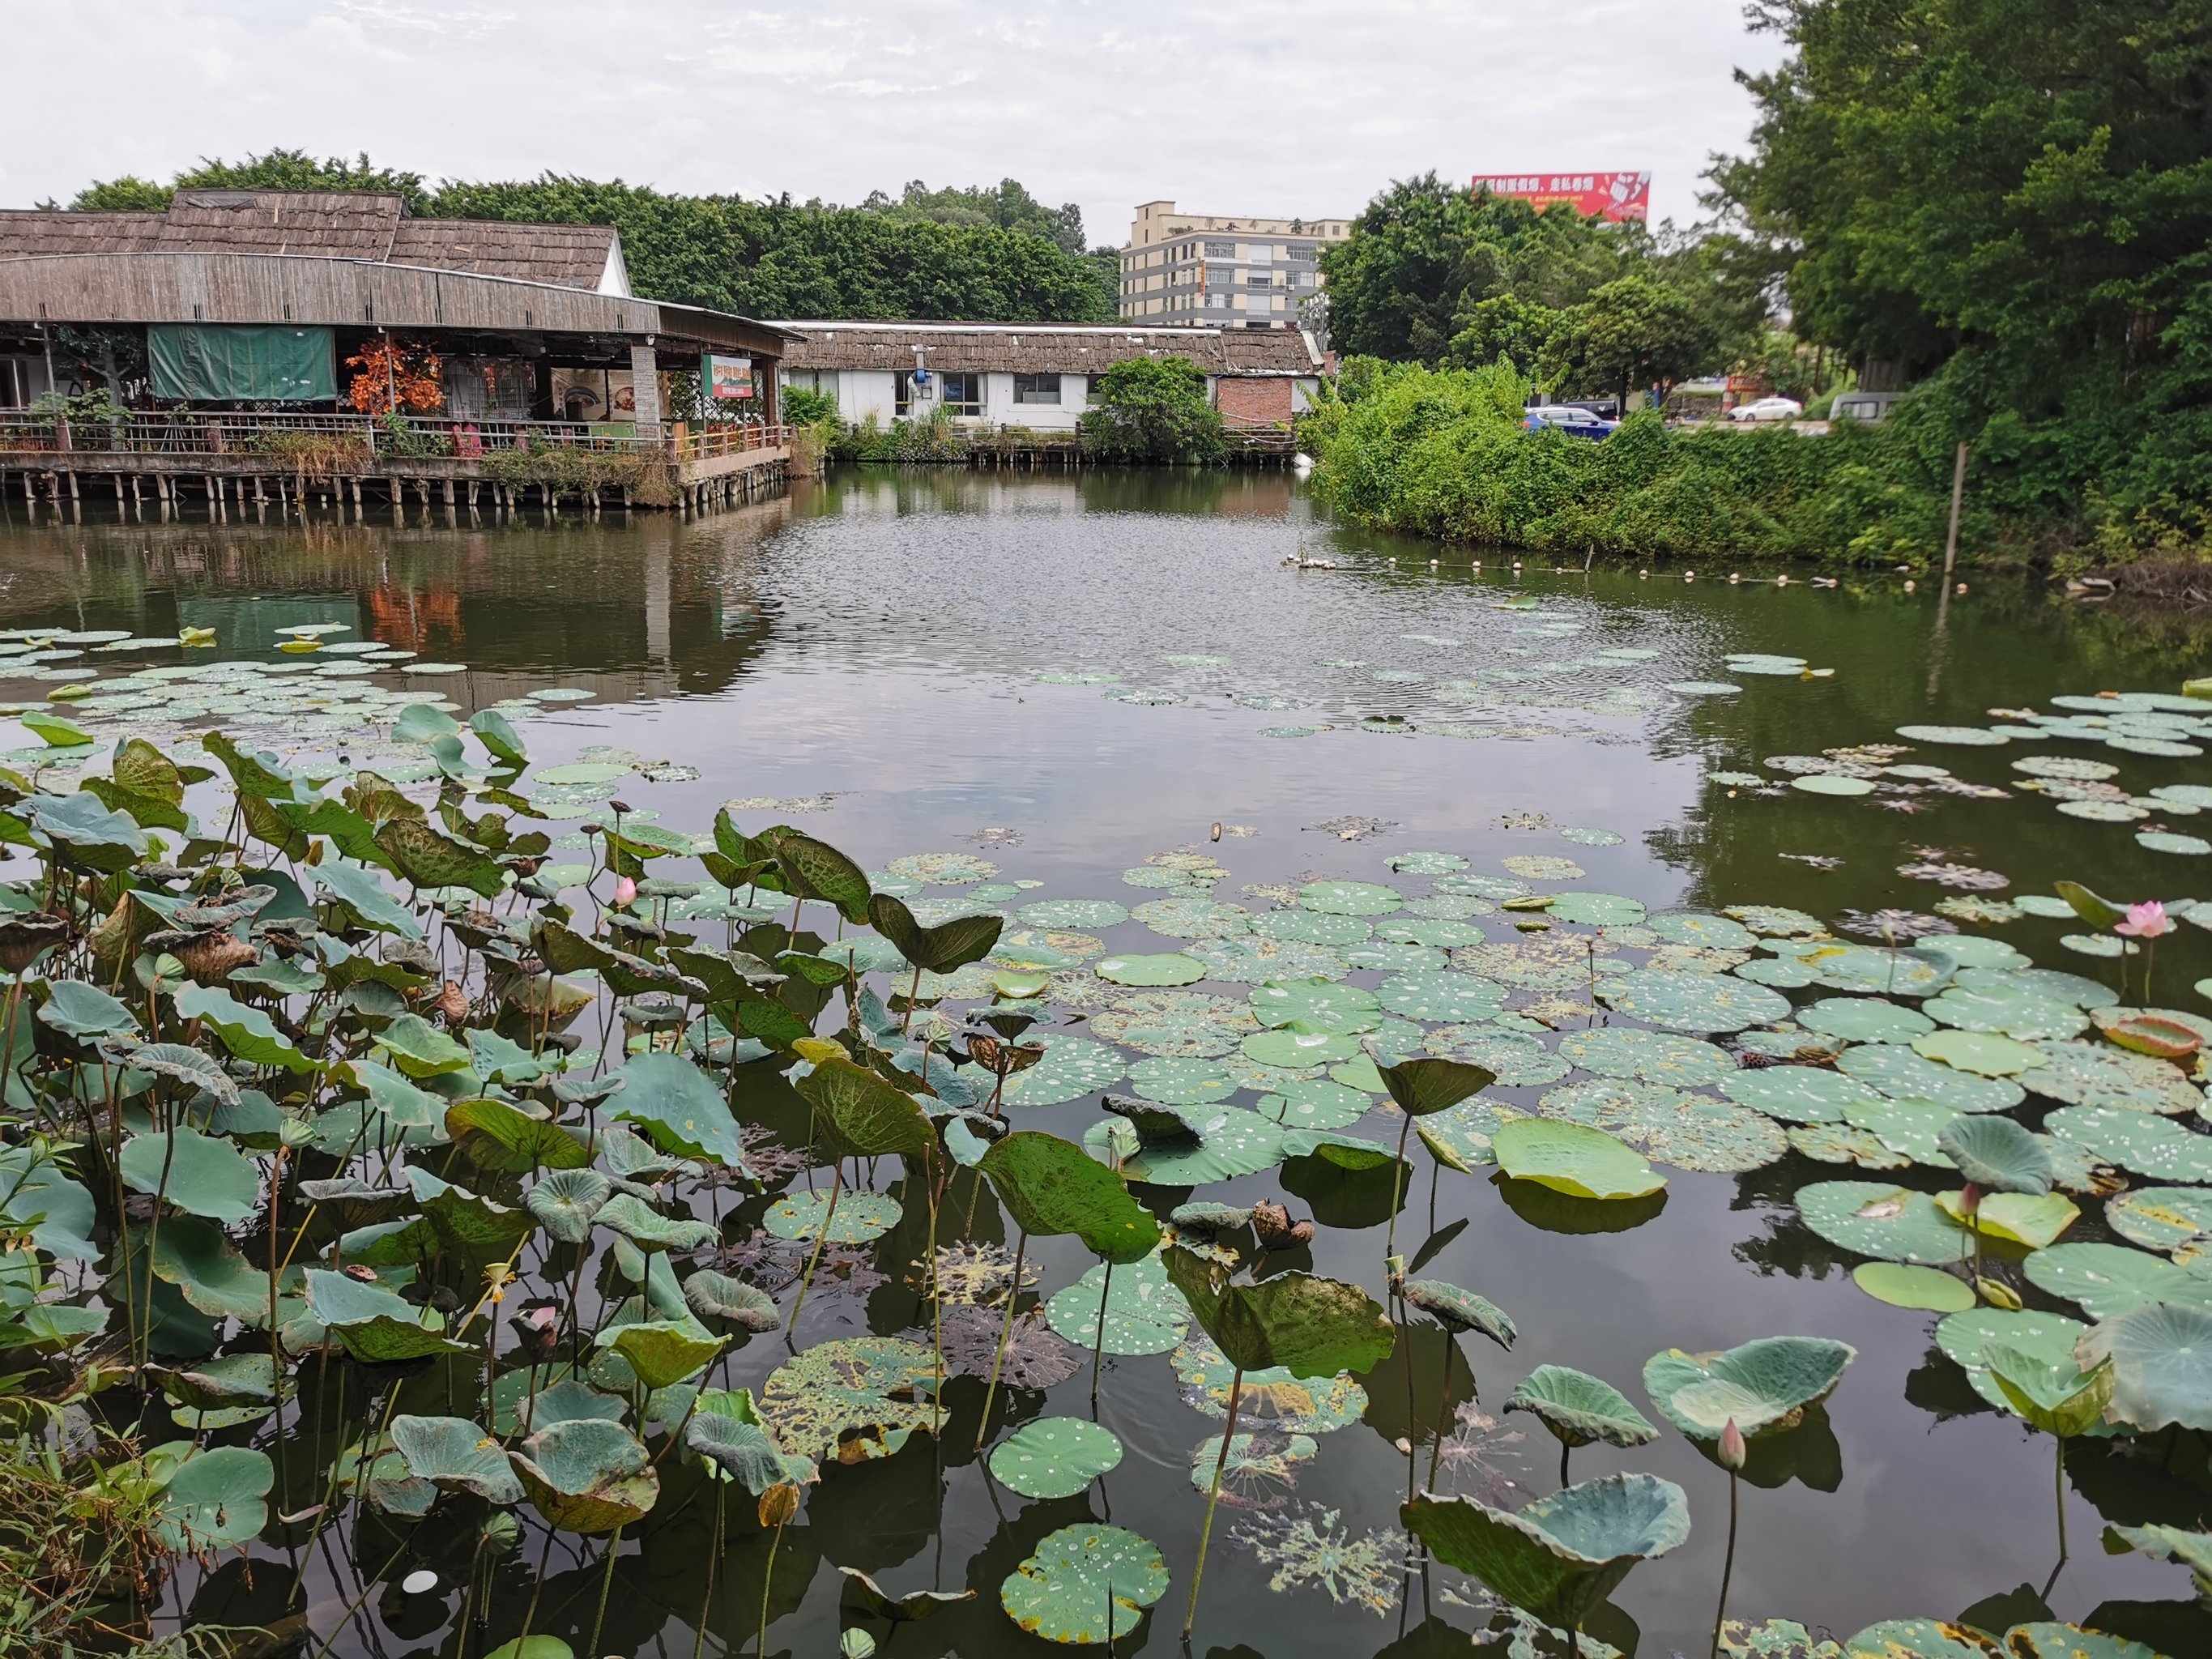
x,y
1066,678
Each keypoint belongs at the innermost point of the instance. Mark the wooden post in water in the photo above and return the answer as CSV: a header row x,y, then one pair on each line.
x,y
1958,498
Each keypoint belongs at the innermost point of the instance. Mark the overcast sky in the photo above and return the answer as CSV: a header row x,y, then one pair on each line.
x,y
1287,108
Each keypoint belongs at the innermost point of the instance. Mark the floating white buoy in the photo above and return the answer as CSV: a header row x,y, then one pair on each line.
x,y
1910,584
421,1582
1960,588
1643,575
1782,582
1735,576
1434,562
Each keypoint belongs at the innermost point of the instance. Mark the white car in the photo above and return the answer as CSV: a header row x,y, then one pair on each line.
x,y
1768,409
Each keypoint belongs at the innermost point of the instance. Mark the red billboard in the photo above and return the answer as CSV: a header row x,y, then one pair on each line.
x,y
1613,195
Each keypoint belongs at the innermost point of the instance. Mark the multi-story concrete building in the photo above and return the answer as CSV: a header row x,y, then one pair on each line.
x,y
1202,270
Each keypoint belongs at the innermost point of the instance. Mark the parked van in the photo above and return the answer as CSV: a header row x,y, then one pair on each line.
x,y
1872,407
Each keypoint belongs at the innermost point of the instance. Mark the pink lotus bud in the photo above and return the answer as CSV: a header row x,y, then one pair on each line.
x,y
625,893
1969,1198
1733,1450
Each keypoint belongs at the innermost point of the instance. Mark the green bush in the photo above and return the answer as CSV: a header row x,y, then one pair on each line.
x,y
1154,410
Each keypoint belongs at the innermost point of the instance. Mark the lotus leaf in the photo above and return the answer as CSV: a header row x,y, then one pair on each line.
x,y
1189,916
1085,1585
713,1295
1463,1138
376,1326
82,1011
1513,1058
1295,1045
1884,972
1314,1104
850,1400
1696,1003
214,1499
725,1431
2136,1141
1562,1555
1966,1337
2018,1014
1764,1386
1073,913
1987,1054
1145,1313
1460,1310
2056,1396
1998,1153
1350,898
857,1218
2175,1219
2034,1220
1217,1143
210,1273
2156,1353
498,1136
2092,1074
565,1202
1898,1072
1905,1286
1317,1004
248,1033
1270,1394
1572,1158
1072,1067
454,1453
1597,909
1659,1057
1054,1456
586,1476
1171,969
679,1106
2107,1280
1051,1187
1891,1224
1797,1094
1311,1325
662,1352
2192,1549
199,1174
1579,1408
1864,1019
2048,1640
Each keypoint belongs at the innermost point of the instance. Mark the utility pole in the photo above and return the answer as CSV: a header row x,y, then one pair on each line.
x,y
1958,498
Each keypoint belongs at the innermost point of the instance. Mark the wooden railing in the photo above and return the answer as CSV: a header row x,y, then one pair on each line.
x,y
708,443
201,433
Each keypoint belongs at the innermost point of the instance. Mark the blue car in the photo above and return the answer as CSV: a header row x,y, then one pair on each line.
x,y
1569,418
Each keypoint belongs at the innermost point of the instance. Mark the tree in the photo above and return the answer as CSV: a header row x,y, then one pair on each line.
x,y
1507,326
1153,408
279,169
1634,332
1008,206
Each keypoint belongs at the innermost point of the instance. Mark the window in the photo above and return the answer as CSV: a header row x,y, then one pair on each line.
x,y
1301,250
1036,388
903,395
1221,250
963,394
1258,279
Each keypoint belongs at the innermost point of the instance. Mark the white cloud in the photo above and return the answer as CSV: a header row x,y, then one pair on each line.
x,y
1288,107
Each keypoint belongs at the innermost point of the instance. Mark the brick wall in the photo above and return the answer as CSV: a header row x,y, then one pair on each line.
x,y
1252,401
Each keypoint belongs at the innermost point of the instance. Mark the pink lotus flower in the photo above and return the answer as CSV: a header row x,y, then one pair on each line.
x,y
625,893
1733,1451
2146,921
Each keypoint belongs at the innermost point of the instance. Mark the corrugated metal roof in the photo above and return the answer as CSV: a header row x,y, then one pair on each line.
x,y
327,224
1045,347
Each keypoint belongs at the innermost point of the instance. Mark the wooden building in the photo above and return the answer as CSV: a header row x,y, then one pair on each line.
x,y
236,317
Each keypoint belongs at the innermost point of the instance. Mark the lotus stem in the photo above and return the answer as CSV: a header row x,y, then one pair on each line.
x,y
768,1580
913,991
936,1308
1566,1450
353,1608
606,1586
1728,1568
1397,1183
714,1561
1006,1335
1443,1415
2060,1484
1212,1497
836,1184
1098,1351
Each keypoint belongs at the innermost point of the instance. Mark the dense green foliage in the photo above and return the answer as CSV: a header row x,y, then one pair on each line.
x,y
916,258
1432,273
2016,198
1442,453
1154,410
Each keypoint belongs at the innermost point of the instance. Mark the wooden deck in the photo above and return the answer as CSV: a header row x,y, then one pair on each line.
x,y
218,463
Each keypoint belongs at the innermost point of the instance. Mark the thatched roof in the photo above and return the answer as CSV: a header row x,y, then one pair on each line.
x,y
1046,347
326,224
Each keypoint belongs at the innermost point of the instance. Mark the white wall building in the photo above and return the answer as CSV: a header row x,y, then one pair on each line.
x,y
1038,375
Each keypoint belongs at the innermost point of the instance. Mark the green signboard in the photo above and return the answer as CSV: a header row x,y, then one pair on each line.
x,y
210,361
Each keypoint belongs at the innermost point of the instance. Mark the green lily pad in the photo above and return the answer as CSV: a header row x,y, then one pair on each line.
x,y
1170,968
1073,913
1997,1153
1269,1395
1192,917
1072,1068
1317,1004
1513,1058
1891,1224
1054,1456
2157,1355
1660,1057
2169,1218
1560,1556
1085,1585
1296,1045
1966,1337
456,1454
1864,1019
214,1499
1144,1314
1985,1053
1249,960
1897,1070
1829,783
201,1175
1763,1386
2097,1074
1797,1094
1350,898
2107,1281
1316,1103
1697,1003
1572,1158
1903,1286
1181,1082
1313,928
2137,1140
2015,1011
850,1399
1911,1128
859,1217
1597,909
586,1476
1579,1408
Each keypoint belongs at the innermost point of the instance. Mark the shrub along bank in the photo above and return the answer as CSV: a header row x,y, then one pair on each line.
x,y
1442,453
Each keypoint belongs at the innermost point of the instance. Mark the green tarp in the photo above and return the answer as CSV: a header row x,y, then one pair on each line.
x,y
222,363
